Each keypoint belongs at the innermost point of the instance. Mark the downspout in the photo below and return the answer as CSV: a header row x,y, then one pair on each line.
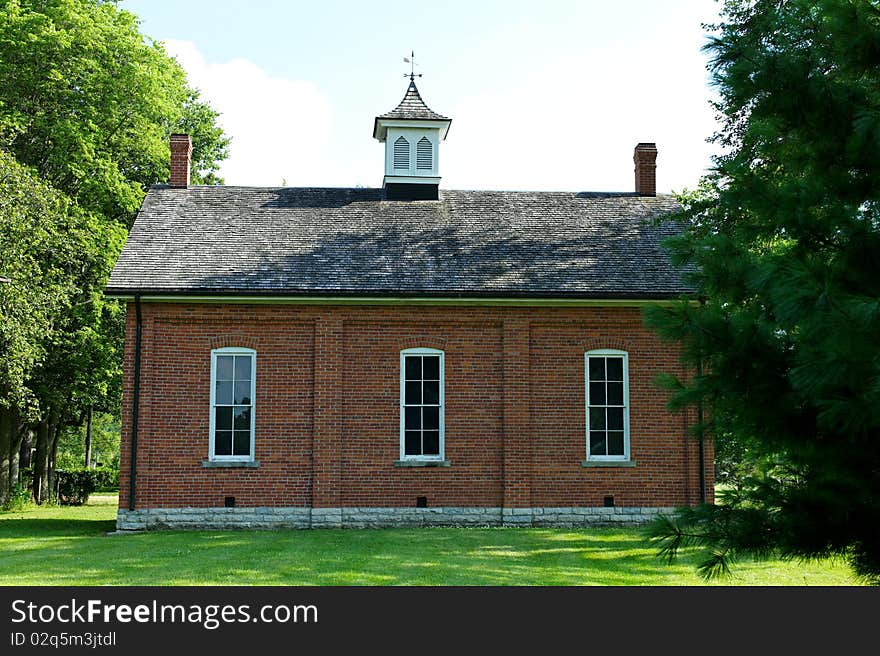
x,y
135,401
700,432
701,437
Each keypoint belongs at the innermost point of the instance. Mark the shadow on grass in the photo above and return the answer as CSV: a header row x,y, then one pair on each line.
x,y
30,527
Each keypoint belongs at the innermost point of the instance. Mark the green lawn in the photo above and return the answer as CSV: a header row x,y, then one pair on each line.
x,y
69,546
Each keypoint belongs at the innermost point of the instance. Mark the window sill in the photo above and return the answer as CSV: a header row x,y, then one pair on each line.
x,y
230,464
608,463
422,463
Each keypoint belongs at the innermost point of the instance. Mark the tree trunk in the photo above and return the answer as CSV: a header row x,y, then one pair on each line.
x,y
15,436
27,441
89,439
41,462
55,428
13,471
6,421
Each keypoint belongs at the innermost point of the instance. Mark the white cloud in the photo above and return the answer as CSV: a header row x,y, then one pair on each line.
x,y
280,128
575,129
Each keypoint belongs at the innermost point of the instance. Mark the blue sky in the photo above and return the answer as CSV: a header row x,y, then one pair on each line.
x,y
542,95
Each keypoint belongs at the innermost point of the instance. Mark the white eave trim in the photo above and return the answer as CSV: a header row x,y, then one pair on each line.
x,y
382,125
397,300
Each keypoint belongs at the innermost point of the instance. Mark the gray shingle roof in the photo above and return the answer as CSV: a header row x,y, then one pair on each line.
x,y
412,107
340,242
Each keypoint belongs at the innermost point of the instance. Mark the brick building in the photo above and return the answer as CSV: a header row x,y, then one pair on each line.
x,y
316,357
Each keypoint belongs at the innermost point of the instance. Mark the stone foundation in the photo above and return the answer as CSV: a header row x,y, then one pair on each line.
x,y
304,518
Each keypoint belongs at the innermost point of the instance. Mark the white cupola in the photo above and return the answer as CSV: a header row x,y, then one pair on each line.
x,y
412,134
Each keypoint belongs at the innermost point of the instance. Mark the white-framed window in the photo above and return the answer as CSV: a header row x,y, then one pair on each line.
x,y
607,396
421,404
233,386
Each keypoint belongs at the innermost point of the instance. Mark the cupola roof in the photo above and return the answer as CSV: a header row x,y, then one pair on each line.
x,y
411,108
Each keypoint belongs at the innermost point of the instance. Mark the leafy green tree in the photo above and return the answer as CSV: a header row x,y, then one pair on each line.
x,y
105,443
46,247
783,241
89,102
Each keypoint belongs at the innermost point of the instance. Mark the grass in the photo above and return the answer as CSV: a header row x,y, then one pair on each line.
x,y
69,546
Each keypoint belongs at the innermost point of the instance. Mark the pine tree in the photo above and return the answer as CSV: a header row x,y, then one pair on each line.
x,y
782,242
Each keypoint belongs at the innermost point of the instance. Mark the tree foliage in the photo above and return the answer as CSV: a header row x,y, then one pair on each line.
x,y
783,241
89,102
38,227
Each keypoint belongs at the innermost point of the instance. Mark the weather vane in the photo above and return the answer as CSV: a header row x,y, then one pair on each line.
x,y
411,60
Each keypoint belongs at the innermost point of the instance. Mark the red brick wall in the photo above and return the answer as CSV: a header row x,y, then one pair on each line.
x,y
645,158
181,154
327,408
665,456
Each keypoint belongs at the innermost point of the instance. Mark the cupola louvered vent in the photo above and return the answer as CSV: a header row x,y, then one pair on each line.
x,y
424,155
401,153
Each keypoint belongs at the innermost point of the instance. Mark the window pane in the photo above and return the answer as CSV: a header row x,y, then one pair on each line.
x,y
242,418
597,393
597,443
413,393
431,364
431,418
242,367
242,392
615,393
432,392
412,418
224,367
242,446
597,368
223,393
223,419
597,418
615,369
615,443
615,419
223,443
431,443
412,444
413,367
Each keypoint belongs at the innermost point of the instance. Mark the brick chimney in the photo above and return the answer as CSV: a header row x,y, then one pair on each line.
x,y
645,158
181,152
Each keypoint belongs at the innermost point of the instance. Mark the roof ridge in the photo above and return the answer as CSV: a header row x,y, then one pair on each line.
x,y
563,192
